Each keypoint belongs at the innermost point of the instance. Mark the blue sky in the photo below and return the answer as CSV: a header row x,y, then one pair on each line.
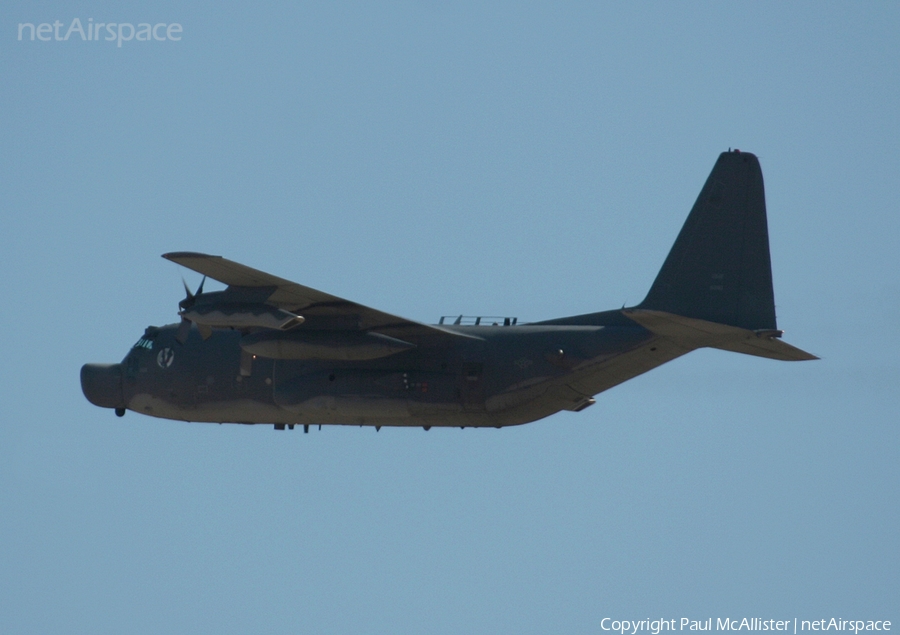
x,y
427,159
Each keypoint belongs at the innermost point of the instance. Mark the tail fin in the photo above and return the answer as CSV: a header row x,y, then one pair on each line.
x,y
719,268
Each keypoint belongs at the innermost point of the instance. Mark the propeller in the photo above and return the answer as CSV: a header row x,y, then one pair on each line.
x,y
190,299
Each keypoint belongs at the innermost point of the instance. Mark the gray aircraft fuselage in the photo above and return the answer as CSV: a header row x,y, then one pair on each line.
x,y
267,350
491,377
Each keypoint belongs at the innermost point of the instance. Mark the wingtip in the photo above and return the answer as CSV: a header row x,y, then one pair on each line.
x,y
175,256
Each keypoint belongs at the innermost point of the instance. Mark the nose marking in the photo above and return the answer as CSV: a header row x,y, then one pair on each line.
x,y
165,358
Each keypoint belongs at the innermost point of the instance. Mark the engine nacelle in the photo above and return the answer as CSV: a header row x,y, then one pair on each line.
x,y
241,316
334,345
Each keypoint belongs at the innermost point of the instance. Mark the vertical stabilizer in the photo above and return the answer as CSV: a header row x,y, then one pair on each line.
x,y
719,268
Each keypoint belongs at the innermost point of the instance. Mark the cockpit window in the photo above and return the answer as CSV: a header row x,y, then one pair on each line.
x,y
144,343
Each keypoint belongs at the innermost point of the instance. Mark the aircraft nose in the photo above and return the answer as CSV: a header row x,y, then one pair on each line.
x,y
102,385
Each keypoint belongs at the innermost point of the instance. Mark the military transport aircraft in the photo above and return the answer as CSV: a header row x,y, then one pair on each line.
x,y
267,350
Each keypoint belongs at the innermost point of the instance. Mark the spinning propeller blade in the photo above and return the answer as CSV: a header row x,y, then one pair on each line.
x,y
185,328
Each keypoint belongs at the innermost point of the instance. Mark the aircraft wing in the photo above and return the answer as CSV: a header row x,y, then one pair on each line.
x,y
320,309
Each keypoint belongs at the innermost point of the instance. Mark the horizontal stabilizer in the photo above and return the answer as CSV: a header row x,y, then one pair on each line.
x,y
694,333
